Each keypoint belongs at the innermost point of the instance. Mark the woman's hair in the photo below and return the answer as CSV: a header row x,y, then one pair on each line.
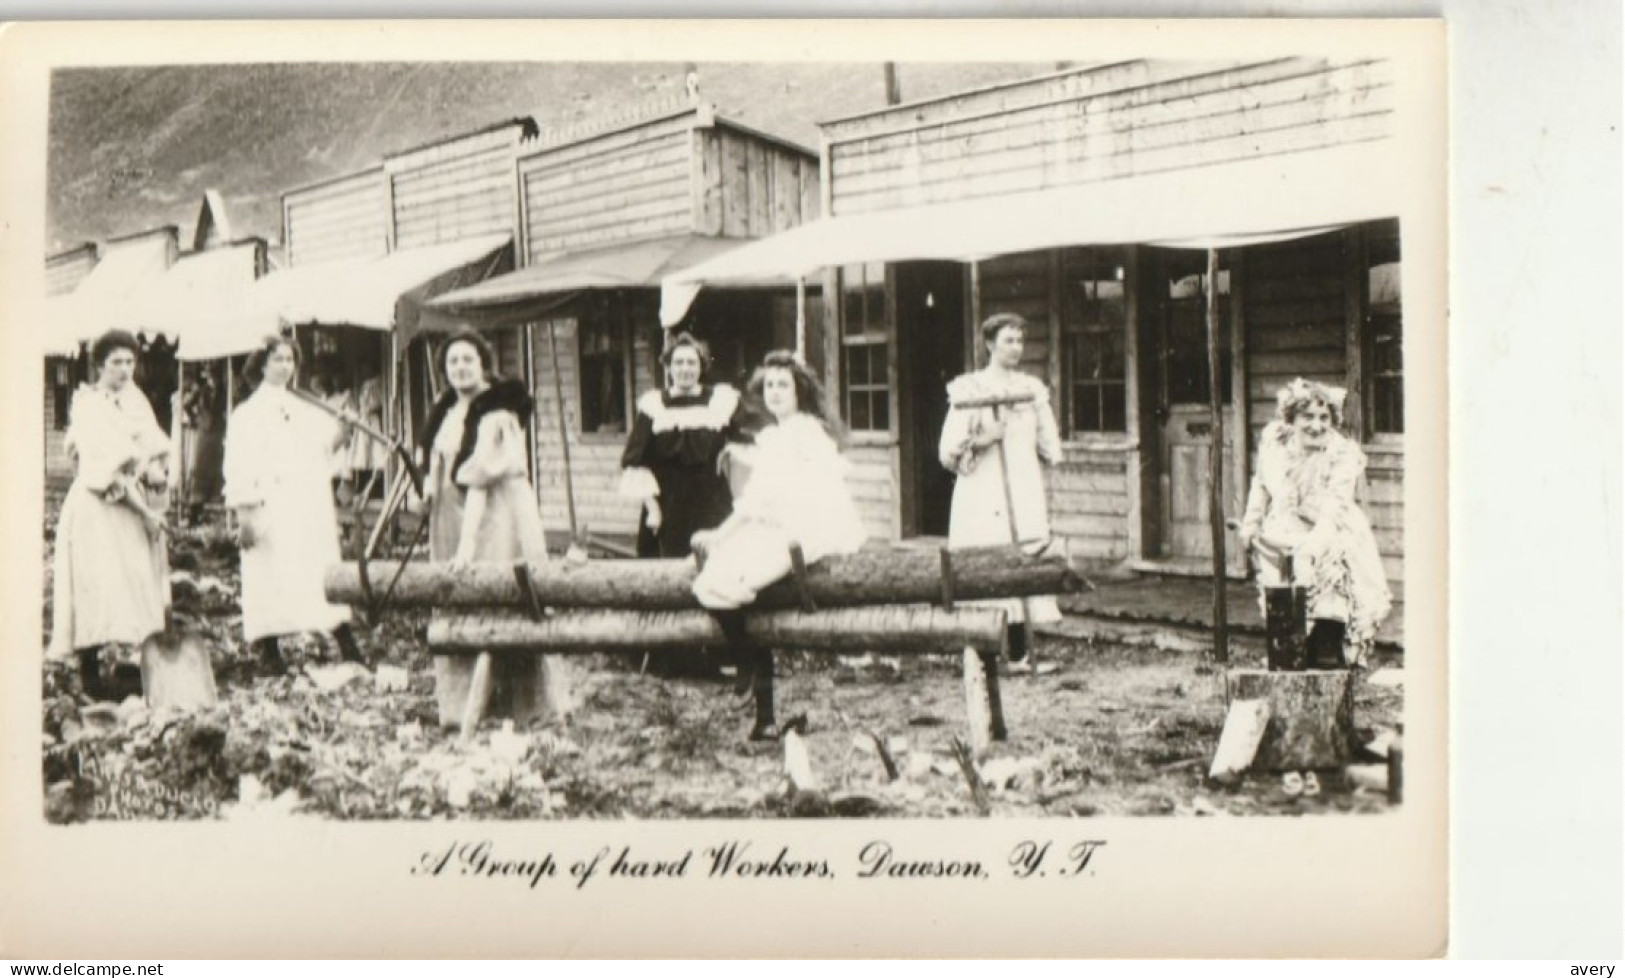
x,y
481,345
700,347
809,392
1299,394
254,369
111,341
997,323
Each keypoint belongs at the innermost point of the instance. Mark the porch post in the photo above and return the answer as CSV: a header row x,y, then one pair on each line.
x,y
801,316
1215,486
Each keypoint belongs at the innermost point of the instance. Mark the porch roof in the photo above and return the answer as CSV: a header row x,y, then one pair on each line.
x,y
624,265
103,299
361,292
1249,202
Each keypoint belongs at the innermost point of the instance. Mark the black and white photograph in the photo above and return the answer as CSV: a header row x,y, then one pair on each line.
x,y
732,442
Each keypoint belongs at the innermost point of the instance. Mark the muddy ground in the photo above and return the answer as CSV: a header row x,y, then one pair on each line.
x,y
1098,729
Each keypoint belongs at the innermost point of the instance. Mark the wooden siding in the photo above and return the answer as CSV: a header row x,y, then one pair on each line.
x,y
595,460
872,480
622,186
344,218
1019,283
1136,121
1089,502
744,186
64,272
1295,321
454,196
1385,507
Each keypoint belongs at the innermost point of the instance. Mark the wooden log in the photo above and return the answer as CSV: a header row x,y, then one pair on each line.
x,y
919,629
978,712
877,578
1311,716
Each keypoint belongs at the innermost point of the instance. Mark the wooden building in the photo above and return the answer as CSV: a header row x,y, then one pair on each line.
x,y
64,367
1085,200
606,210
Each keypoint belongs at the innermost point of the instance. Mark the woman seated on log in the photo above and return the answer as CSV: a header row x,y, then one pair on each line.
x,y
111,576
1301,505
481,508
672,464
795,495
278,468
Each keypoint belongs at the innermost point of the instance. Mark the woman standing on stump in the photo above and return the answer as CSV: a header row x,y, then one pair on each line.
x,y
481,508
1301,506
795,495
672,465
111,571
277,469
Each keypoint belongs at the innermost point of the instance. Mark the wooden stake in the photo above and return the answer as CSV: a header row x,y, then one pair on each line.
x,y
564,429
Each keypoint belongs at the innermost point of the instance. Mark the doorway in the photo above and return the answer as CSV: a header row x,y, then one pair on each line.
x,y
1183,410
931,347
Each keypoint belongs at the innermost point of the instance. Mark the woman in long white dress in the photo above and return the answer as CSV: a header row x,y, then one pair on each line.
x,y
795,493
111,571
277,471
1302,505
998,454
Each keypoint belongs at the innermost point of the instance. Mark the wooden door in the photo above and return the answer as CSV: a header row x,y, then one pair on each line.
x,y
931,341
1185,414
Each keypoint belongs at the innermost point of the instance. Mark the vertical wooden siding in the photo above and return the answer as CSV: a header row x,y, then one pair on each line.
x,y
344,218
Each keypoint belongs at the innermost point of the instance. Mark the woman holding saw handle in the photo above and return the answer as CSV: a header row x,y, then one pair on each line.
x,y
999,435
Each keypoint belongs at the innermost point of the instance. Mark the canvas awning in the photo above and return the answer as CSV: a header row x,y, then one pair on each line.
x,y
106,298
1226,205
626,265
379,293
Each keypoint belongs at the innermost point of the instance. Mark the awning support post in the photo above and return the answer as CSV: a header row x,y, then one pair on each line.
x,y
801,316
1215,482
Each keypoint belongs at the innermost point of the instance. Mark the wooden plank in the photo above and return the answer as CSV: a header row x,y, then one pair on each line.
x,y
953,183
372,180
599,233
1090,525
407,200
598,147
759,190
1064,132
431,184
1074,503
1309,336
611,171
786,186
661,185
735,186
1301,363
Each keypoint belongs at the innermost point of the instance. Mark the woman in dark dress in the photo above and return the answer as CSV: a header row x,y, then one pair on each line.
x,y
672,465
671,458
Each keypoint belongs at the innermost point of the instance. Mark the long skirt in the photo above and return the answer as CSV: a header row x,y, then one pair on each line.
x,y
111,577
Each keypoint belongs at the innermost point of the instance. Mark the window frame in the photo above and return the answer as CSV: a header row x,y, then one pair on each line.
x,y
599,317
1382,247
1077,266
872,333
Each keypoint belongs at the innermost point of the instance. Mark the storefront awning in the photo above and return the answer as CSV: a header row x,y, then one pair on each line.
x,y
380,293
628,265
106,298
1274,198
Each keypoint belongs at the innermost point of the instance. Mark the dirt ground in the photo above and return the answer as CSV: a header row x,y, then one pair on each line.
x,y
1096,730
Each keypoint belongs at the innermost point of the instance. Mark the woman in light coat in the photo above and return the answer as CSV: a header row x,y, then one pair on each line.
x,y
111,571
277,470
1302,504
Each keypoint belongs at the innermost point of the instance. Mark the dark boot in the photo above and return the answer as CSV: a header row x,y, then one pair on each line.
x,y
268,656
90,672
1017,636
995,702
349,651
761,688
1326,644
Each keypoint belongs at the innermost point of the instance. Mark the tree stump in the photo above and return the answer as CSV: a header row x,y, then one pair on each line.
x,y
520,688
1311,717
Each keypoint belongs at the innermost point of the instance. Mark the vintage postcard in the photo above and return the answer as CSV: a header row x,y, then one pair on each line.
x,y
739,489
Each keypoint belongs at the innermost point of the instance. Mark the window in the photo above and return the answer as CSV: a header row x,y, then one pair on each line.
x,y
605,354
1093,365
865,390
1385,369
59,381
1185,375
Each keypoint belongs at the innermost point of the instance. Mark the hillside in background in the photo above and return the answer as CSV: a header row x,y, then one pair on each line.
x,y
134,148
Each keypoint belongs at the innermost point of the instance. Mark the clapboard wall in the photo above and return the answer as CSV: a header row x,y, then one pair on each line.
x,y
460,188
681,172
65,270
345,217
1100,123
